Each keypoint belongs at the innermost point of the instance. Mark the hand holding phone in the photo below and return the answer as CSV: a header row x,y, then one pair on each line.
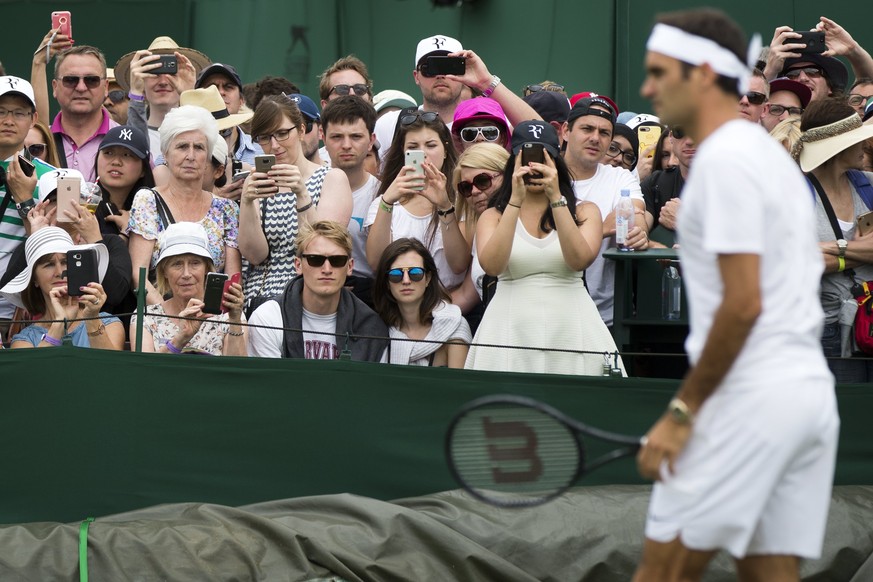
x,y
415,158
26,166
813,41
532,152
264,162
81,270
68,189
648,136
169,65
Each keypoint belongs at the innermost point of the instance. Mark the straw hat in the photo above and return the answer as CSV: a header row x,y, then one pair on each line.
x,y
819,144
162,45
210,99
47,241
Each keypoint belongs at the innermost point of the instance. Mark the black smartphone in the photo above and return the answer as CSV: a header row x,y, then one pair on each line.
x,y
264,162
434,66
532,152
169,66
81,270
813,39
26,165
214,294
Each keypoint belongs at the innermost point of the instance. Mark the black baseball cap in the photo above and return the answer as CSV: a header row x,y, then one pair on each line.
x,y
129,137
536,131
550,105
592,106
214,68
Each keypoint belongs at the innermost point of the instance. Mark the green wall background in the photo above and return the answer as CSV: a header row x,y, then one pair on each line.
x,y
597,46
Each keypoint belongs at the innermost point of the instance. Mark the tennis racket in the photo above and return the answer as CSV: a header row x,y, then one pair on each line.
x,y
512,451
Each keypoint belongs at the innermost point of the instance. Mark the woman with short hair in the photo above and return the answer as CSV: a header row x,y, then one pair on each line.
x,y
188,136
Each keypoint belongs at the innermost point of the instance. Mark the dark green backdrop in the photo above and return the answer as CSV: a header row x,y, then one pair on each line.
x,y
597,46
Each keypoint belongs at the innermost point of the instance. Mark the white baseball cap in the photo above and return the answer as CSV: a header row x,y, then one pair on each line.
x,y
13,85
436,45
48,182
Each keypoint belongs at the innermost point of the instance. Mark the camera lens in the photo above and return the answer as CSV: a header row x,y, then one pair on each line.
x,y
77,256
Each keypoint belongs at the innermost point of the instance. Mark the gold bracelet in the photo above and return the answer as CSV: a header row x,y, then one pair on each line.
x,y
385,206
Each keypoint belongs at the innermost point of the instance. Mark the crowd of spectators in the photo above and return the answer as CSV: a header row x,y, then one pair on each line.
x,y
346,245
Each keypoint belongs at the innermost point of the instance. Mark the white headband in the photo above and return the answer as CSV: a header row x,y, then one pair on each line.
x,y
696,50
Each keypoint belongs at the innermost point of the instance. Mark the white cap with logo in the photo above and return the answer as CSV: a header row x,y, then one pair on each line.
x,y
10,84
438,44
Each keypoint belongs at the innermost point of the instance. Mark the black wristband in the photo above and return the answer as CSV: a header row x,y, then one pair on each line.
x,y
446,212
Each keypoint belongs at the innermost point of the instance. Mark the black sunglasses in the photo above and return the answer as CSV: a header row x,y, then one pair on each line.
x,y
481,181
425,116
117,96
416,274
318,260
528,89
360,89
72,81
36,149
677,133
755,98
811,72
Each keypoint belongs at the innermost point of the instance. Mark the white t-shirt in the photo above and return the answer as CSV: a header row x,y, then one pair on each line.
x,y
319,336
604,189
361,200
385,131
744,194
404,224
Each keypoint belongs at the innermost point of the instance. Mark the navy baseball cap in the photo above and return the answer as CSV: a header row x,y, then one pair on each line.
x,y
129,137
536,131
306,106
550,105
214,68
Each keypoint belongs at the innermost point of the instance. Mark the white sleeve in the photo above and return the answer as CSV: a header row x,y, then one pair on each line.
x,y
265,342
632,183
371,212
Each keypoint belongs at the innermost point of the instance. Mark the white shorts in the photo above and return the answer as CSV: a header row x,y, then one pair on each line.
x,y
756,476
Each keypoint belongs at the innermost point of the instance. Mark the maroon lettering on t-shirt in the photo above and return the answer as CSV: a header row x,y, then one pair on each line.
x,y
319,350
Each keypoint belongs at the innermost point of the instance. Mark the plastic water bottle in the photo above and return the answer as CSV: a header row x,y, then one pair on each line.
x,y
624,220
671,294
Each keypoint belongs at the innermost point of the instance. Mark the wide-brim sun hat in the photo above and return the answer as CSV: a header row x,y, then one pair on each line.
x,y
819,144
184,238
209,98
162,45
47,241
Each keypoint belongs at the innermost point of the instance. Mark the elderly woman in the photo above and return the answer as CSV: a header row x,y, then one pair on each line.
x,y
184,261
42,290
188,136
477,176
829,150
409,298
410,205
273,205
123,169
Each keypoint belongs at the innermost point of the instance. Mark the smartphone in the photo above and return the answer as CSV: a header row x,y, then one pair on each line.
x,y
443,65
865,223
240,176
235,278
532,152
68,189
814,41
26,166
111,209
169,66
415,158
264,162
81,270
648,136
214,294
61,20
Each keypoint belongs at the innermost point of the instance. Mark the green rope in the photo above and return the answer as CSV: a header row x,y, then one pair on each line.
x,y
83,549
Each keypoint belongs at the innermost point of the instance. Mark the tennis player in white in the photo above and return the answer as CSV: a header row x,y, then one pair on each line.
x,y
744,455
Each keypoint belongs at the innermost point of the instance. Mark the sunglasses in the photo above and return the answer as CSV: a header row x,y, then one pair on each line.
x,y
528,89
72,81
425,116
677,133
416,274
811,72
777,110
117,96
36,149
755,98
342,90
489,132
481,181
628,157
335,260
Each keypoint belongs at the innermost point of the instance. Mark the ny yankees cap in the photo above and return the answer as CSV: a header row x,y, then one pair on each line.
x,y
436,45
10,85
129,137
592,106
535,131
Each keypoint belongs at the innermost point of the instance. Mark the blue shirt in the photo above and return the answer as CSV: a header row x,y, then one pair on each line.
x,y
34,333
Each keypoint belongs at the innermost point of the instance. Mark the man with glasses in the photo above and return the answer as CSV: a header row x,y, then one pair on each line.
x,y
787,99
588,132
316,317
751,105
348,124
18,191
80,88
227,81
347,76
860,92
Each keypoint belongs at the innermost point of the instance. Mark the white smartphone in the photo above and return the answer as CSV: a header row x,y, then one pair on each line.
x,y
415,158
